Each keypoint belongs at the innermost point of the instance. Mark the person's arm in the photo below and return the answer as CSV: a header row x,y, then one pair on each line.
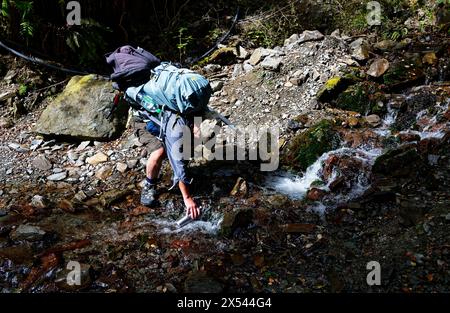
x,y
192,208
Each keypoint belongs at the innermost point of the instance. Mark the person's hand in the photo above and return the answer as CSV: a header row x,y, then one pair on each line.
x,y
192,209
197,131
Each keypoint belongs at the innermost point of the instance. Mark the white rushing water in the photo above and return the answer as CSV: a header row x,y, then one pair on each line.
x,y
296,187
208,224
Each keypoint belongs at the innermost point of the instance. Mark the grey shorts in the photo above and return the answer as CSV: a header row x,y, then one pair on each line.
x,y
175,128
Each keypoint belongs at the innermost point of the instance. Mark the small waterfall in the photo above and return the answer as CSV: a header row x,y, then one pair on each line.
x,y
296,187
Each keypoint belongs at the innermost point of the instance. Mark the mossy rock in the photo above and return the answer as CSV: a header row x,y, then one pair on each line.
x,y
364,98
332,88
403,74
307,147
222,56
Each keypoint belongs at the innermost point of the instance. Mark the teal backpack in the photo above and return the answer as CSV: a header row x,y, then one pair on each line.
x,y
180,90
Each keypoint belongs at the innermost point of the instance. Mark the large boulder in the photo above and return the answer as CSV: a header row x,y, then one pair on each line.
x,y
81,112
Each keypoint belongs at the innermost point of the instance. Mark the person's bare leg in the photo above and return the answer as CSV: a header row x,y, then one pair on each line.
x,y
148,195
154,163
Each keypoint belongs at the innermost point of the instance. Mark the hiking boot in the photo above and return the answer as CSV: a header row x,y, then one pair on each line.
x,y
148,195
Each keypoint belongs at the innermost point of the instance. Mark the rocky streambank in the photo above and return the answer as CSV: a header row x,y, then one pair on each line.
x,y
364,177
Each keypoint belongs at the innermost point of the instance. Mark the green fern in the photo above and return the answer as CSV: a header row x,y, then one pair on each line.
x,y
5,8
25,9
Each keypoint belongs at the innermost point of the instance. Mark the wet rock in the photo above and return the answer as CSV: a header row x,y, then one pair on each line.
x,y
278,202
109,197
307,147
235,219
57,177
97,159
403,74
360,49
42,163
104,172
378,68
22,254
410,210
408,137
240,189
298,228
66,281
272,63
39,202
411,106
338,184
373,120
347,167
77,113
316,194
28,233
200,282
399,162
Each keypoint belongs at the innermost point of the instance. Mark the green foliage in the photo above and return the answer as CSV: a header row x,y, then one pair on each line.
x,y
5,8
23,89
362,98
87,40
183,42
276,21
25,9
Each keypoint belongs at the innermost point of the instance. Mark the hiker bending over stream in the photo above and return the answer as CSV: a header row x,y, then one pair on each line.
x,y
173,133
166,98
